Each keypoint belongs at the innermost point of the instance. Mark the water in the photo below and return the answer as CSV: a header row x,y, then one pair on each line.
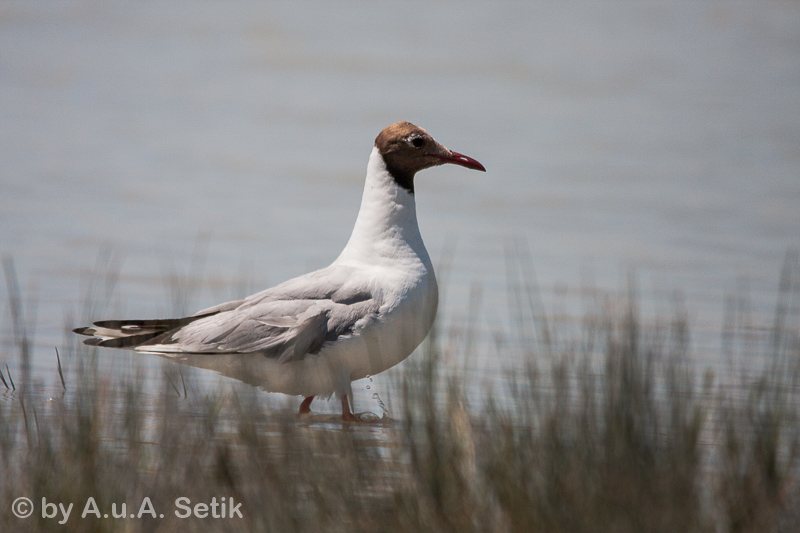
x,y
655,138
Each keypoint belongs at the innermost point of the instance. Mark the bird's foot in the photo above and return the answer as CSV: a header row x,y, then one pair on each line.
x,y
305,407
347,414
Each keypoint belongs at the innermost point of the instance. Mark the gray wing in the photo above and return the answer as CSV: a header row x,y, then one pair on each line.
x,y
286,322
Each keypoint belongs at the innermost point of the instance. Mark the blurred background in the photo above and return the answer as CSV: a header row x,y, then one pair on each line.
x,y
201,151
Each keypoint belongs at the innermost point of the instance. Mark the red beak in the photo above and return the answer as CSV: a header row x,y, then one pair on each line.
x,y
462,160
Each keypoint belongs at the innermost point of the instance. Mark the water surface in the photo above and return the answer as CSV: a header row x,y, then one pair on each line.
x,y
225,145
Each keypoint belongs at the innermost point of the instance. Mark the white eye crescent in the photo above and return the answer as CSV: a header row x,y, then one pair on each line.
x,y
416,141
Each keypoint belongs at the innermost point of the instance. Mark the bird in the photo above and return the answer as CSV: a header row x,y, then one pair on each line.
x,y
315,334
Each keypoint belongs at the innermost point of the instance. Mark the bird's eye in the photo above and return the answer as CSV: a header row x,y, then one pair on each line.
x,y
417,142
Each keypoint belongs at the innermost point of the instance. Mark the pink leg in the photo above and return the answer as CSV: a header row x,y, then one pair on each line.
x,y
305,407
347,415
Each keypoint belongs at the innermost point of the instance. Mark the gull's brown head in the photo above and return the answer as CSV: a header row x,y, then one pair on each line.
x,y
407,149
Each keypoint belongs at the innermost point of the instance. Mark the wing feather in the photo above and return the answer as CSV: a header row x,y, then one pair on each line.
x,y
286,322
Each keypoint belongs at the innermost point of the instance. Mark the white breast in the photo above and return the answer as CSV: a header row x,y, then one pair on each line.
x,y
386,252
387,247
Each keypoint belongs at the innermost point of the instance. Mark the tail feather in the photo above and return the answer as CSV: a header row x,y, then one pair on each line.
x,y
131,333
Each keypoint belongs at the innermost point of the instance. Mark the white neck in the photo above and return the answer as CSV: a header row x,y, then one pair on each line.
x,y
386,228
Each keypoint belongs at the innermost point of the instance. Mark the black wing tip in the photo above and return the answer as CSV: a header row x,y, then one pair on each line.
x,y
135,333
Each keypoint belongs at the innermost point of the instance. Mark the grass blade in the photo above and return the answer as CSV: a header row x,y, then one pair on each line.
x,y
173,384
13,387
60,371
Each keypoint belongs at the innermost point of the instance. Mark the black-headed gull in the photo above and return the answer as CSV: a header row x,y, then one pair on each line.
x,y
315,334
